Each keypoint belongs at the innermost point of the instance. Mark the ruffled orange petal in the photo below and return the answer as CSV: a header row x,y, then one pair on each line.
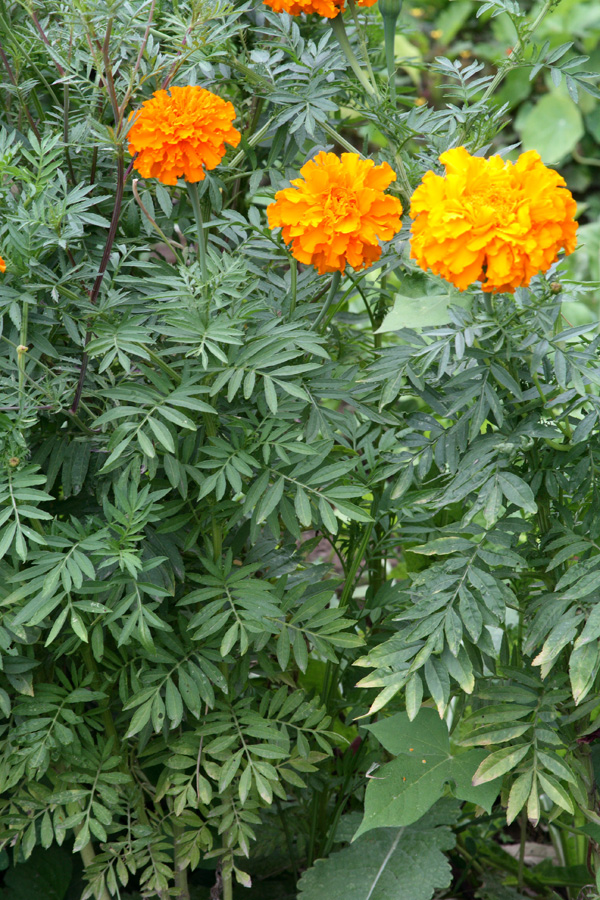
x,y
337,213
181,133
491,221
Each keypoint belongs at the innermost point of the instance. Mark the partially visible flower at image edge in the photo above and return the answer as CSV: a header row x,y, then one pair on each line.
x,y
2,266
327,8
491,221
180,133
337,212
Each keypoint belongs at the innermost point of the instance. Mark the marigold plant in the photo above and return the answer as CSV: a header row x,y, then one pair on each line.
x,y
2,265
337,212
491,221
181,132
297,573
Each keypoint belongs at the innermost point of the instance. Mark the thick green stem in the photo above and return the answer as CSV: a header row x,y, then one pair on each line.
x,y
21,351
87,857
195,201
389,31
314,820
355,565
109,723
335,283
338,137
330,680
166,368
227,882
339,29
66,132
210,425
181,882
293,285
288,839
521,869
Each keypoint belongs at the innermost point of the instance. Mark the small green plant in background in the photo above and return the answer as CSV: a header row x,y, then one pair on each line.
x,y
298,541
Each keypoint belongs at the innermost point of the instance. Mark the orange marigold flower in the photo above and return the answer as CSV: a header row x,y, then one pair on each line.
x,y
180,133
337,212
2,266
327,8
491,221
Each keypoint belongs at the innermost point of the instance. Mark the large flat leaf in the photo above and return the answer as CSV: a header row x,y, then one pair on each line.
x,y
46,875
424,310
387,864
553,127
404,789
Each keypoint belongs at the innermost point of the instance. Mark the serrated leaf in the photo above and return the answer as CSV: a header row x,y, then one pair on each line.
x,y
386,864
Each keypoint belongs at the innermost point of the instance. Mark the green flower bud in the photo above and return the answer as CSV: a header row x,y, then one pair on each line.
x,y
390,9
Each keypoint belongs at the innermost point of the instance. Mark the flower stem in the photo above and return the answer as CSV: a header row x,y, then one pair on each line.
x,y
193,195
21,352
335,283
251,141
172,244
112,233
512,60
363,44
339,29
389,32
338,137
166,368
406,185
293,284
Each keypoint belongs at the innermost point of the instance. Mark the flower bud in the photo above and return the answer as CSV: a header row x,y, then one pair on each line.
x,y
390,9
556,287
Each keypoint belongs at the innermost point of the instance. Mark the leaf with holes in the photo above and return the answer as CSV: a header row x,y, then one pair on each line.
x,y
387,864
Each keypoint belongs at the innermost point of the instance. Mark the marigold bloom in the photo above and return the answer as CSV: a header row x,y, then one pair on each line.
x,y
2,266
491,221
180,133
327,8
334,215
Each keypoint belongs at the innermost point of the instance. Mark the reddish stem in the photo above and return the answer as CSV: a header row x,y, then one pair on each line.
x,y
46,41
112,233
10,74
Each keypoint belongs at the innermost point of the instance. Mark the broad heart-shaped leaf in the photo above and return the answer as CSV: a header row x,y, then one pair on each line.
x,y
387,864
553,127
400,792
424,310
46,874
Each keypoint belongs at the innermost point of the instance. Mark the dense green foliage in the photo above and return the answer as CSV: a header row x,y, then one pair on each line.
x,y
282,567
